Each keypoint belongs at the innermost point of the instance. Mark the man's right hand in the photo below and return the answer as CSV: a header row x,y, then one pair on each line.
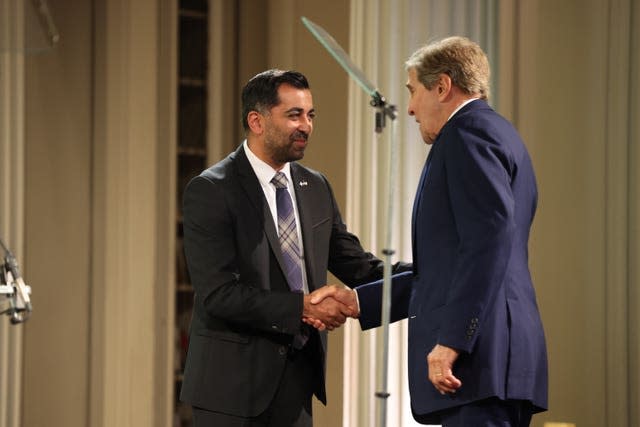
x,y
329,306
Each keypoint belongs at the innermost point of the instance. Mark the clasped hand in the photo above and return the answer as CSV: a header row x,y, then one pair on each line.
x,y
329,307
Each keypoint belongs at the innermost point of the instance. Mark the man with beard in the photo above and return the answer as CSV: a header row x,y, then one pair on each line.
x,y
260,233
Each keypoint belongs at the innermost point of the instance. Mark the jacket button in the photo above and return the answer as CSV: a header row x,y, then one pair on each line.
x,y
282,350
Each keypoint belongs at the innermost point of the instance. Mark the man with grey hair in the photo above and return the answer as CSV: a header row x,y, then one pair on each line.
x,y
477,354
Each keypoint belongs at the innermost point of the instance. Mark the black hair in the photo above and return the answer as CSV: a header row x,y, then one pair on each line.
x,y
261,92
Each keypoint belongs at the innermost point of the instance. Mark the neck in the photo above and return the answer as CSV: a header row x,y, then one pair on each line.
x,y
257,147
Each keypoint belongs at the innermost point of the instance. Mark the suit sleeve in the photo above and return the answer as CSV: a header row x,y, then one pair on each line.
x,y
478,175
370,299
213,259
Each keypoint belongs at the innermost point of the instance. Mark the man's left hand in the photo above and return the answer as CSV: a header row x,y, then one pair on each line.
x,y
440,366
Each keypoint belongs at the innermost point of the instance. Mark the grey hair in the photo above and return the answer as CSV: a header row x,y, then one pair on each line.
x,y
459,58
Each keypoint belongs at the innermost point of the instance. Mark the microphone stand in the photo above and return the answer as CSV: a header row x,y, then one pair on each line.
x,y
384,111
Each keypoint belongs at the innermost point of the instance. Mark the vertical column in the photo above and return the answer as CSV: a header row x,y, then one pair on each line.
x,y
634,217
222,109
283,21
124,322
11,194
617,186
166,125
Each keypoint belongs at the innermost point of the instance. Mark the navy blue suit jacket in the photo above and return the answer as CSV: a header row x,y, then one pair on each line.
x,y
471,288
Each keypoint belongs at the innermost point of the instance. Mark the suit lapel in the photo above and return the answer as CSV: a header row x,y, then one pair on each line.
x,y
304,199
417,202
251,186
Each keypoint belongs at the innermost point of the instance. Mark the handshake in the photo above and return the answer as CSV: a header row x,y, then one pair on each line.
x,y
329,307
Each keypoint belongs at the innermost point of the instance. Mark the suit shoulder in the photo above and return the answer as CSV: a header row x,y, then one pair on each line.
x,y
214,178
219,171
481,115
485,124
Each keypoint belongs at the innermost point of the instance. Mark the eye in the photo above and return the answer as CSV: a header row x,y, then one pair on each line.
x,y
312,116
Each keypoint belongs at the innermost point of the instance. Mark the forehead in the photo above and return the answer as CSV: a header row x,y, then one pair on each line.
x,y
412,78
291,96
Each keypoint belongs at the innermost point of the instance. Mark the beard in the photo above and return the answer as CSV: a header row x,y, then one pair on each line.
x,y
284,148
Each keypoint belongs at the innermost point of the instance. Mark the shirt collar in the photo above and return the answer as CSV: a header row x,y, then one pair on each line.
x,y
460,107
263,170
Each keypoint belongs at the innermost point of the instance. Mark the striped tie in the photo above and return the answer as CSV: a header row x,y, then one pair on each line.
x,y
288,233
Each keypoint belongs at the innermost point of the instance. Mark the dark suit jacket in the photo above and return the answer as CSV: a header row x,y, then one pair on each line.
x,y
471,288
244,314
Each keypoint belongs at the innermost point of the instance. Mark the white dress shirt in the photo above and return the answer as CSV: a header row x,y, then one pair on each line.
x,y
265,174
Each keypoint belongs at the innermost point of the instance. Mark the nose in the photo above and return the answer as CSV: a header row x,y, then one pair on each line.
x,y
410,109
306,125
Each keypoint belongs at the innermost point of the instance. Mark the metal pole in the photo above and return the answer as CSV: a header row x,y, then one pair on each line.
x,y
383,347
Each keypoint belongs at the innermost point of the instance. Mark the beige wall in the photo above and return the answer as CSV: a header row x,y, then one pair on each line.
x,y
565,130
573,70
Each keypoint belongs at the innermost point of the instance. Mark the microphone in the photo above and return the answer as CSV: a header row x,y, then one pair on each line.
x,y
20,301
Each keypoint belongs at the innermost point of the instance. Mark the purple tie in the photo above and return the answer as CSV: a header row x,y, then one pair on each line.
x,y
288,233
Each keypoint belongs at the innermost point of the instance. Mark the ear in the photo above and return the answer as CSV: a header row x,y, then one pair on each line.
x,y
256,122
444,86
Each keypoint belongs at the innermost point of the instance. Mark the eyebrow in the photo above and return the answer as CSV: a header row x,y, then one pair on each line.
x,y
298,110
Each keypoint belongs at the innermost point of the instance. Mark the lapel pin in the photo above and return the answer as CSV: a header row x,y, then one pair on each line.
x,y
302,183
